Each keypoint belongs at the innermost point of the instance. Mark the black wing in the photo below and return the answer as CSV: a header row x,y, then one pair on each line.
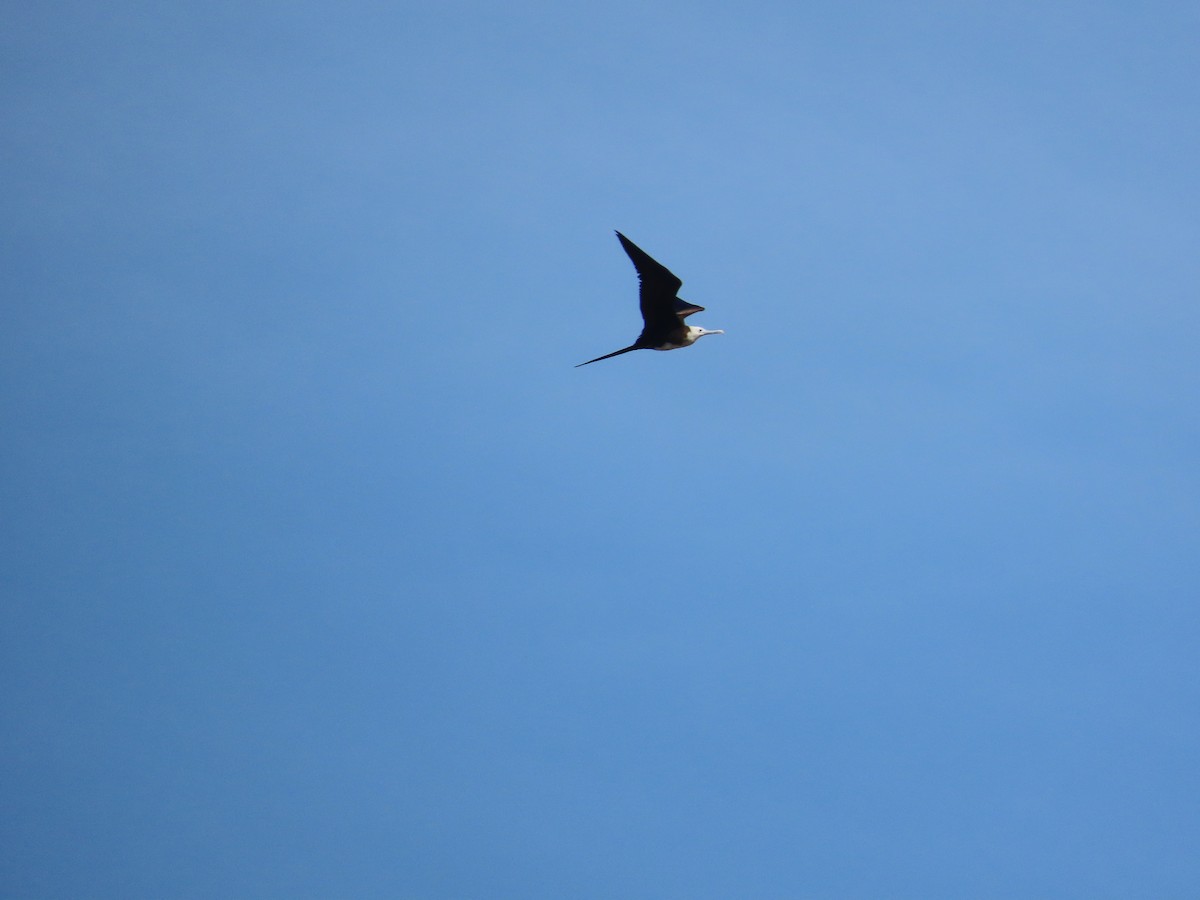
x,y
659,288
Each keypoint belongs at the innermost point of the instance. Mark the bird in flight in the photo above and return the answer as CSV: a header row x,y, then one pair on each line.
x,y
662,310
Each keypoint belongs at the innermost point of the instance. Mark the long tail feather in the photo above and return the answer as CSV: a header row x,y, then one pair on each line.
x,y
609,355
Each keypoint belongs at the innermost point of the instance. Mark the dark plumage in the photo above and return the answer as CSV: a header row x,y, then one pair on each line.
x,y
662,310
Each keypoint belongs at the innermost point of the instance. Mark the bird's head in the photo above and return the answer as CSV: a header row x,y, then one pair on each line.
x,y
701,332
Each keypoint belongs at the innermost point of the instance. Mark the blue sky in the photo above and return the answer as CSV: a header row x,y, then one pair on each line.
x,y
326,575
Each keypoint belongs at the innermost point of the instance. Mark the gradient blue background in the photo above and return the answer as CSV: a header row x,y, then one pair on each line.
x,y
326,575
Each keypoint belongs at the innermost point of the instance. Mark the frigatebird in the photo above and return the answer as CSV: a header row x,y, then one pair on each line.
x,y
662,310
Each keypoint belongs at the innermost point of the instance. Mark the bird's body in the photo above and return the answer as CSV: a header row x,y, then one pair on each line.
x,y
663,311
684,336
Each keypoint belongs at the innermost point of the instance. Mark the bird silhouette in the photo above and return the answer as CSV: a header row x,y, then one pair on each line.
x,y
662,310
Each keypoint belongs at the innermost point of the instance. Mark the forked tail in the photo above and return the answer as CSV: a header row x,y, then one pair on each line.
x,y
609,355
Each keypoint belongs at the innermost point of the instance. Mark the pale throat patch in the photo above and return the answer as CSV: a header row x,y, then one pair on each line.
x,y
689,337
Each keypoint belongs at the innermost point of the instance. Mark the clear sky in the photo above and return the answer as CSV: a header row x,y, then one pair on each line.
x,y
325,574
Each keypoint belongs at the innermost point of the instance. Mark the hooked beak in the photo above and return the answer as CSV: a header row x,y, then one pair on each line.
x,y
718,331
